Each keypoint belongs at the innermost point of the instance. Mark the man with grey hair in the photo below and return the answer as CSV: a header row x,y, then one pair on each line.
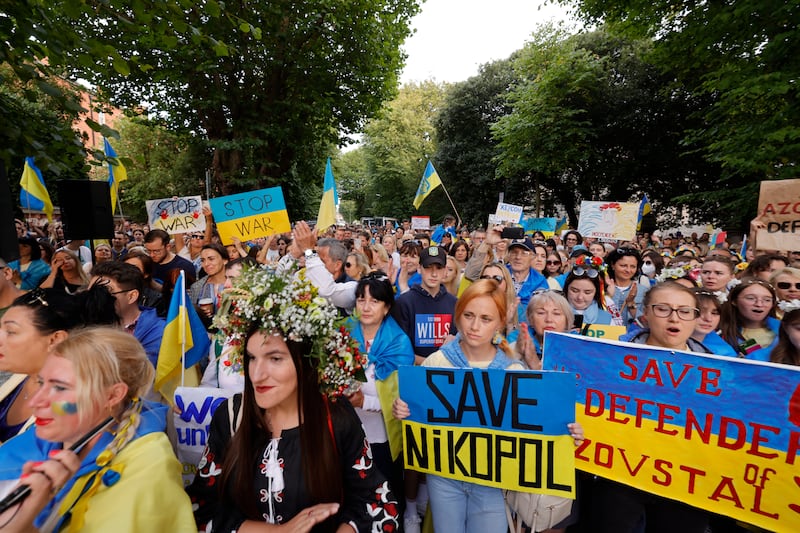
x,y
324,260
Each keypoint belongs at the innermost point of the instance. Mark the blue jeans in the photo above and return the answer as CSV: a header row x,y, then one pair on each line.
x,y
461,507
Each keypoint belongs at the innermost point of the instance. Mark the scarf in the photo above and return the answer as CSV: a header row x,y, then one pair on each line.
x,y
455,355
390,349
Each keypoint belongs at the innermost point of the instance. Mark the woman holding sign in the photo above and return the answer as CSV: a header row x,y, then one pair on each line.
x,y
480,314
671,312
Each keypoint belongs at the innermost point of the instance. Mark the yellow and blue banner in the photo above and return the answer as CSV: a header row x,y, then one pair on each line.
x,y
116,173
505,429
33,192
718,433
562,226
430,180
184,340
644,209
327,207
546,225
250,215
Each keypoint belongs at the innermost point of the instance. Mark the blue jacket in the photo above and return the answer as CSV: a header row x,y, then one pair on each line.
x,y
762,354
534,282
148,331
35,273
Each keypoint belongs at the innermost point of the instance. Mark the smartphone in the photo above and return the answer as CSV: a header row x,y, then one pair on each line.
x,y
513,233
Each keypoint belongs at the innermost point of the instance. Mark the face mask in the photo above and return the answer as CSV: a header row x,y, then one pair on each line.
x,y
648,268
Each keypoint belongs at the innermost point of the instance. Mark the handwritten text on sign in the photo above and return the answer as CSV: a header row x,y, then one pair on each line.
x,y
498,428
250,215
779,210
176,215
717,433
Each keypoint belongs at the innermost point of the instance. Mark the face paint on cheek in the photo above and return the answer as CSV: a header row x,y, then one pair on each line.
x,y
64,408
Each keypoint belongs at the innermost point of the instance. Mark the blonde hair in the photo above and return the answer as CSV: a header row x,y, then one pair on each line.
x,y
452,285
511,295
103,357
78,264
538,300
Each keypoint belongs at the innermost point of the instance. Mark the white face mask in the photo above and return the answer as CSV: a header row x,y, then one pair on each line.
x,y
648,268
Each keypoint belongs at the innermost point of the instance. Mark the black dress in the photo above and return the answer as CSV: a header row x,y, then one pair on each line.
x,y
368,503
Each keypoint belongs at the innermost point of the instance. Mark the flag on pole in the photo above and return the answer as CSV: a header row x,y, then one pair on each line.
x,y
644,209
185,339
33,194
327,207
116,174
717,239
743,250
561,225
430,180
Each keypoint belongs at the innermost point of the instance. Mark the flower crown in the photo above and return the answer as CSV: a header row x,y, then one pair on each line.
x,y
787,306
293,307
590,262
674,273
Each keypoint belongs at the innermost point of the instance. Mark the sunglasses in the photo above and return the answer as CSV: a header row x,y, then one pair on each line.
x,y
376,275
784,285
497,278
553,262
198,236
542,291
628,251
588,272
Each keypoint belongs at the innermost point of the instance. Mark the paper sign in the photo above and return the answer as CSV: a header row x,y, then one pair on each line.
x,y
608,220
779,209
505,429
176,215
718,433
611,333
420,223
546,225
508,212
250,215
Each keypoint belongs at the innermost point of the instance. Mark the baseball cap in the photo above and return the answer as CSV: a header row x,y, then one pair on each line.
x,y
525,243
433,255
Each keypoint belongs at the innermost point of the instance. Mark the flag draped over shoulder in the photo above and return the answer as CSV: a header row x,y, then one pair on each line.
x,y
33,194
430,180
185,338
644,209
327,207
116,174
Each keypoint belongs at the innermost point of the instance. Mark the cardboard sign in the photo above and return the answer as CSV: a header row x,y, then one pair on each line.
x,y
176,215
546,225
608,220
508,213
610,333
250,215
779,209
718,433
196,405
505,429
420,223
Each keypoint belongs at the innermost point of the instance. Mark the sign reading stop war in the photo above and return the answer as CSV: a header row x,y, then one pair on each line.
x,y
779,209
176,215
505,429
250,215
718,433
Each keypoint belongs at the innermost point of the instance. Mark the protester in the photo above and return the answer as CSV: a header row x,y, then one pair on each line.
x,y
157,244
282,452
213,258
763,266
716,273
408,275
481,316
8,290
707,329
500,274
128,478
626,291
357,266
460,251
102,254
452,277
652,265
547,311
150,297
119,247
29,270
66,273
749,324
525,278
584,291
671,312
787,349
572,239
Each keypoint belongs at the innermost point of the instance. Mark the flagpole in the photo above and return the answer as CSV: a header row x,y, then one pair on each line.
x,y
182,328
451,202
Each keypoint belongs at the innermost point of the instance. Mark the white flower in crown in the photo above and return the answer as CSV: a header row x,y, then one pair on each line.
x,y
671,273
787,306
732,283
722,296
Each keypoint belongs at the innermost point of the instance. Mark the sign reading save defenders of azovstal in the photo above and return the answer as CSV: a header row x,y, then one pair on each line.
x,y
779,209
718,433
505,429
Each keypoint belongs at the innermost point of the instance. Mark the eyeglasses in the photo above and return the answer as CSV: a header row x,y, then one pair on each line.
x,y
755,299
684,313
113,293
549,262
498,278
588,272
157,251
784,285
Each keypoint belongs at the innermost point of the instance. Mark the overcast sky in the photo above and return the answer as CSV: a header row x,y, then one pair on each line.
x,y
454,37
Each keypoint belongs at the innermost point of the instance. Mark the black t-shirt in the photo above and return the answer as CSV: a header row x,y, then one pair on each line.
x,y
160,270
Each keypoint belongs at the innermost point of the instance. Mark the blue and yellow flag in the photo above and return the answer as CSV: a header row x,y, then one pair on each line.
x,y
430,180
33,194
116,174
184,338
327,207
562,225
644,209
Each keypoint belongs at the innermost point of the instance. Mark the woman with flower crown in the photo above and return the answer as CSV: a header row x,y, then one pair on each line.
x,y
583,289
289,450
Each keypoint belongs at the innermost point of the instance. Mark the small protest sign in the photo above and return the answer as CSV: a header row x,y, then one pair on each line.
x,y
182,214
250,215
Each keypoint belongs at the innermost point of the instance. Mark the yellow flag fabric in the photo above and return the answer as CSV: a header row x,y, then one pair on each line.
x,y
33,193
388,390
430,180
327,207
116,174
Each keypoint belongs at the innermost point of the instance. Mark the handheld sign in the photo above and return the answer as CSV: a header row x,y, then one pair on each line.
x,y
420,223
608,220
546,225
176,215
779,209
718,433
505,429
508,212
250,215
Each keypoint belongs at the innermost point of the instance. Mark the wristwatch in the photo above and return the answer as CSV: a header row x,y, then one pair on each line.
x,y
309,253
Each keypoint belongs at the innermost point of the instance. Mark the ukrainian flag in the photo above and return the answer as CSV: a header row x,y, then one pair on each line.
x,y
116,174
430,180
33,194
644,209
327,207
561,225
185,339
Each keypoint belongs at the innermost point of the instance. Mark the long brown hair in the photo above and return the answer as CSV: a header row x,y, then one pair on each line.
x,y
785,352
319,457
730,325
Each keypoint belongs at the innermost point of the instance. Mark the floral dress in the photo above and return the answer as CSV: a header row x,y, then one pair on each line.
x,y
368,503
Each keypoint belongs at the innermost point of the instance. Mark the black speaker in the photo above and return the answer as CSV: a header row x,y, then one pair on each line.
x,y
9,250
86,209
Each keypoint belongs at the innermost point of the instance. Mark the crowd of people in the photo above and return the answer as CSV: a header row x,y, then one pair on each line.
x,y
310,438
